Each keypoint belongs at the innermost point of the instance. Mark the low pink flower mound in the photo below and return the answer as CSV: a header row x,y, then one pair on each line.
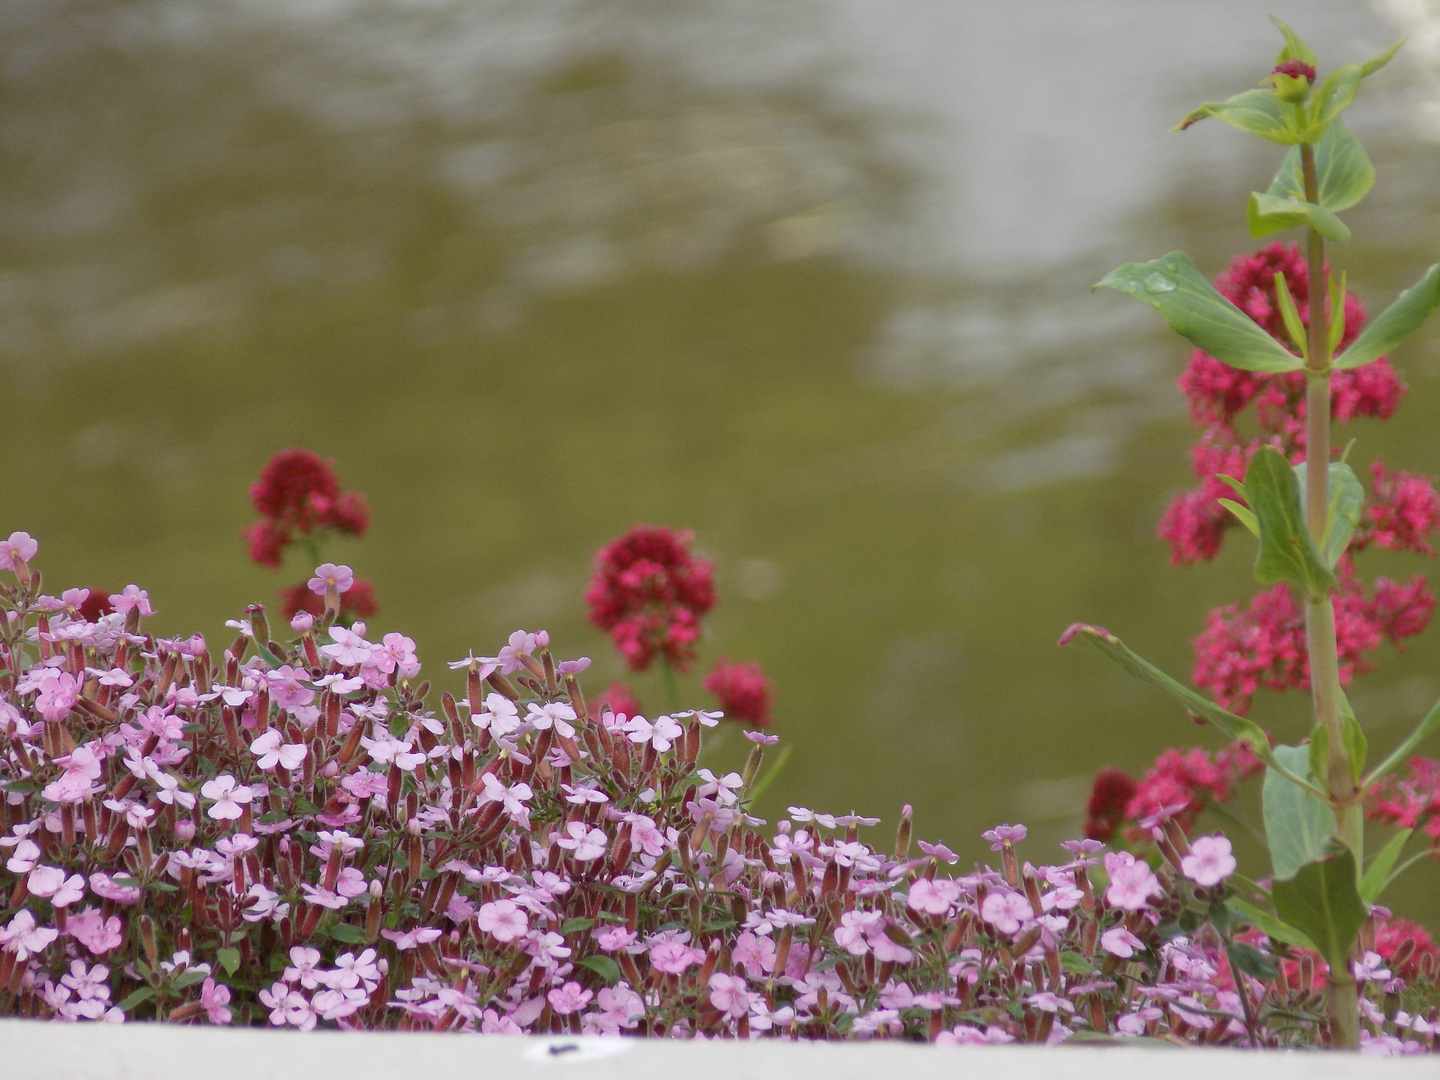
x,y
287,833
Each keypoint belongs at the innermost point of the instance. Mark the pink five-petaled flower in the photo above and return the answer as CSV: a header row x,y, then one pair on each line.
x,y
674,957
1004,834
730,995
570,998
24,938
229,795
19,548
215,997
933,896
512,798
503,920
133,598
1209,862
584,843
97,933
82,768
1007,911
662,734
272,752
328,574
1118,941
1132,883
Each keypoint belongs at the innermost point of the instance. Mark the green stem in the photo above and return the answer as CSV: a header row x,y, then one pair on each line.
x,y
1344,1005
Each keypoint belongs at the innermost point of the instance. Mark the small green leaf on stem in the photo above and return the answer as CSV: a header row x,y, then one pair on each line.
x,y
1395,323
1337,312
1343,172
1323,903
1266,214
1262,112
1193,308
1357,746
1293,326
1243,513
603,966
1287,551
1299,825
1295,48
229,959
1427,726
1377,874
1347,501
1251,961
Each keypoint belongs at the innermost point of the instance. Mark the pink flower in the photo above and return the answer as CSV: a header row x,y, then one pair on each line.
x,y
730,994
570,998
586,844
743,692
674,957
328,574
97,933
230,797
215,997
1003,834
933,896
1007,911
131,599
1120,942
20,548
82,768
502,920
1209,861
24,938
662,734
614,938
273,753
58,694
1131,882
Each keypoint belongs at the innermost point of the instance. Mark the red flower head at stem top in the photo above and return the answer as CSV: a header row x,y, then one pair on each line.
x,y
298,494
649,592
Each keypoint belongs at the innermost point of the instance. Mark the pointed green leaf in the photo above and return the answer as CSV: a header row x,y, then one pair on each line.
x,y
1395,323
1369,67
348,933
1289,315
137,997
1299,825
1270,924
1357,747
1243,513
1287,552
603,966
1334,96
1258,111
1323,903
1347,501
1295,49
1377,874
1337,312
1267,214
1250,960
1423,730
229,959
1174,287
1237,727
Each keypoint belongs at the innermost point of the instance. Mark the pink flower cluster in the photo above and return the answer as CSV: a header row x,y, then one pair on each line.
x,y
291,833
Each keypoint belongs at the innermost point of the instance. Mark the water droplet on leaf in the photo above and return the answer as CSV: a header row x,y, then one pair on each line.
x,y
1159,283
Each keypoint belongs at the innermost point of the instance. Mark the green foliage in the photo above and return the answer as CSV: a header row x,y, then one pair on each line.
x,y
1287,551
1378,874
1343,176
603,966
1322,902
1272,925
1299,825
1347,501
1395,323
1194,309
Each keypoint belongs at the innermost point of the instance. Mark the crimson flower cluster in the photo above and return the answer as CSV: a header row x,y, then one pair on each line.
x,y
1262,644
300,500
1181,784
649,592
288,834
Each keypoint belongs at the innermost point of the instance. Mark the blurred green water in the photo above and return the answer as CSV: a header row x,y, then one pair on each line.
x,y
807,281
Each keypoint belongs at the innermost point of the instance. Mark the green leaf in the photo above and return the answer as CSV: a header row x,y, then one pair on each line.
x,y
1295,49
1374,64
603,966
348,933
1293,326
574,926
1243,513
1174,287
1357,747
1395,323
139,997
1287,552
1299,825
1237,727
1337,312
1268,214
1333,97
1322,902
1258,111
1270,924
229,959
1347,501
1251,961
1377,874
1422,731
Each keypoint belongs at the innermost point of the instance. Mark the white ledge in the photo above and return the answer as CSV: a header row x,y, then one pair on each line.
x,y
31,1050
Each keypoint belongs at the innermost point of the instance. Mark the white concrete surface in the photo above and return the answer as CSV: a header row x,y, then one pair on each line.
x,y
43,1051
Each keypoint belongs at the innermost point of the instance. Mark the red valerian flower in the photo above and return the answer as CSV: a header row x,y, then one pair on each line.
x,y
1109,795
298,494
96,604
618,698
1411,802
743,692
649,592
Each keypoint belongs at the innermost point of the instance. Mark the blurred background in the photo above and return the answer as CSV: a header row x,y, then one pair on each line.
x,y
809,277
